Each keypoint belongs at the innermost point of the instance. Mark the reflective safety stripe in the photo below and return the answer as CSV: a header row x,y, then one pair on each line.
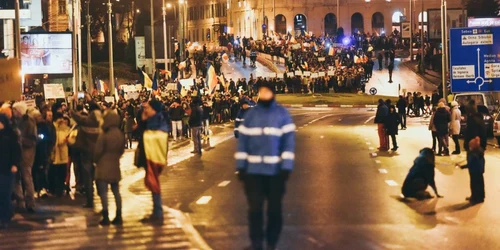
x,y
272,159
236,129
254,159
288,155
240,156
267,130
239,120
288,128
250,131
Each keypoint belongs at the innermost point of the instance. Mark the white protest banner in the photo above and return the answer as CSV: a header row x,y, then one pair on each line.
x,y
298,73
129,88
320,74
109,99
279,75
314,75
171,86
271,75
331,73
330,67
307,73
290,74
321,59
54,91
133,95
31,104
10,80
138,87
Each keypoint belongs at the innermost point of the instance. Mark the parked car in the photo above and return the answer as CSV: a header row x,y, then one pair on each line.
x,y
481,98
488,118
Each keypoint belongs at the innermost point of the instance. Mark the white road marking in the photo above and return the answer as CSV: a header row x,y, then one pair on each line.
x,y
368,143
340,120
377,161
366,139
369,119
224,183
382,171
391,183
296,130
373,154
203,200
371,148
321,137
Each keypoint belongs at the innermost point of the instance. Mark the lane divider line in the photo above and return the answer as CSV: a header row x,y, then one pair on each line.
x,y
377,161
224,183
382,171
391,183
203,200
369,119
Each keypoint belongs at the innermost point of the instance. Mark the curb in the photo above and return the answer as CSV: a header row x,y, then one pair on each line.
x,y
329,106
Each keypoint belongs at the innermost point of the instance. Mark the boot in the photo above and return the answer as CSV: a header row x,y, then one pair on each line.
x,y
118,219
105,218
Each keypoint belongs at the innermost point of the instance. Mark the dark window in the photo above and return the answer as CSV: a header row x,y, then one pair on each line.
x,y
62,7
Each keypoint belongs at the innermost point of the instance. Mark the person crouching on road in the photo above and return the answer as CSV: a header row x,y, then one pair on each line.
x,y
10,153
391,124
475,164
420,176
108,151
380,117
264,158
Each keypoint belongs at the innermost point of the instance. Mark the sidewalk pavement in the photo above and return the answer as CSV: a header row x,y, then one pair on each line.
x,y
430,75
61,223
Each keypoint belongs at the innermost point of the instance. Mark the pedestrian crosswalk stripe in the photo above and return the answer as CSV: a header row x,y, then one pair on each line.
x,y
204,200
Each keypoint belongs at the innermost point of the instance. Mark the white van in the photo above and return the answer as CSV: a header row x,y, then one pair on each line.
x,y
481,98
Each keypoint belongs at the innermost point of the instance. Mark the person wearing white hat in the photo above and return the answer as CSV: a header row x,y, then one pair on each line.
x,y
456,117
24,190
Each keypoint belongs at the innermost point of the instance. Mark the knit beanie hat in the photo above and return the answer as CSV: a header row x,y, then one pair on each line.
x,y
20,107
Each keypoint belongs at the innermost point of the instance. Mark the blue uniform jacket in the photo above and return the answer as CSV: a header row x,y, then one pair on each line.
x,y
266,143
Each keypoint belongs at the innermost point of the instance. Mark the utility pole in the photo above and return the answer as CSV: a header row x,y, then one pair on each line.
x,y
338,14
74,45
89,51
79,30
443,48
424,16
153,54
181,30
110,48
411,30
17,33
164,8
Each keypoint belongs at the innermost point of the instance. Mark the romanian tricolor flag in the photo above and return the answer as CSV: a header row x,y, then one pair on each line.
x,y
156,149
148,83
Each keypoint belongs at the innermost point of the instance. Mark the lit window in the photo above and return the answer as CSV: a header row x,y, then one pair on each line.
x,y
62,7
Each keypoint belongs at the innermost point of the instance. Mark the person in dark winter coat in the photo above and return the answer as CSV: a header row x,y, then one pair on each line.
x,y
441,120
195,123
420,176
108,151
206,120
391,126
176,113
401,105
264,159
10,153
380,117
241,117
475,164
475,126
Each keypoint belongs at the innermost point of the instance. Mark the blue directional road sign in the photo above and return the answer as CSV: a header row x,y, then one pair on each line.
x,y
475,59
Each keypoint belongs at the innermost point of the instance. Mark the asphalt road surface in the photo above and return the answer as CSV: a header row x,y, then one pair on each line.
x,y
341,195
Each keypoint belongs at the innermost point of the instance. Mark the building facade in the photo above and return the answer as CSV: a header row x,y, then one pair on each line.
x,y
206,20
253,18
58,15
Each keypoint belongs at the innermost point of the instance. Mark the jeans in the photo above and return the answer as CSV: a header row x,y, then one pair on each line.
x,y
88,177
206,127
57,176
443,143
457,144
24,190
102,190
157,206
402,117
394,142
477,187
196,135
258,189
434,140
6,186
39,177
176,126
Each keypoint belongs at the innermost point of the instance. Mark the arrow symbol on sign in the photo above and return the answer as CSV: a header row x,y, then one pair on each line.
x,y
484,81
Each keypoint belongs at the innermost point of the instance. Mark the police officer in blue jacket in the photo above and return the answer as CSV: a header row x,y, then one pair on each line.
x,y
264,160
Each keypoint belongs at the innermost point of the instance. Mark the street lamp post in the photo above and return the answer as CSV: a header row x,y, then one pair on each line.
x,y
153,54
411,30
17,32
338,13
110,49
164,9
89,50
